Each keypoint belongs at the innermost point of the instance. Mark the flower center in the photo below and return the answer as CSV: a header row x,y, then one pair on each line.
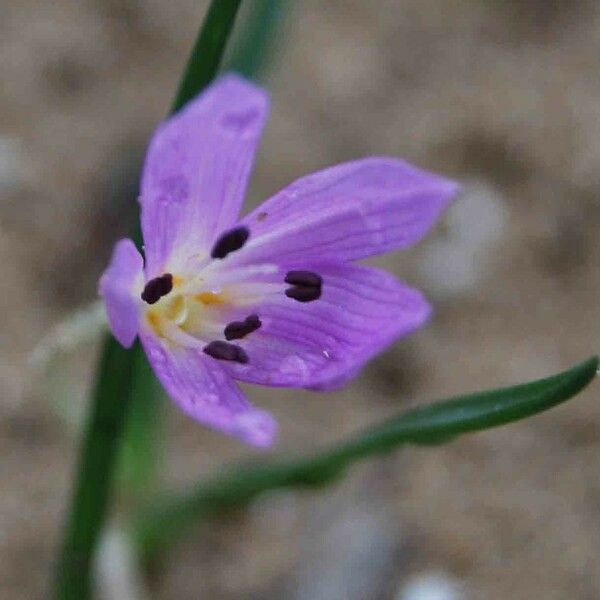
x,y
215,302
180,308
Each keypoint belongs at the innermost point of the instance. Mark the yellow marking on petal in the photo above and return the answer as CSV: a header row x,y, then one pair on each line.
x,y
177,280
211,298
176,310
154,319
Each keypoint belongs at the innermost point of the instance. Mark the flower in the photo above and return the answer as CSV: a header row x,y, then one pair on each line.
x,y
274,298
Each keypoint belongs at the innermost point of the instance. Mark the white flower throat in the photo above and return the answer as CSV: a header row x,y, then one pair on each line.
x,y
191,311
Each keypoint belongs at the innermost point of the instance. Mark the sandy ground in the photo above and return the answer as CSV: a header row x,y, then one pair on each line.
x,y
504,96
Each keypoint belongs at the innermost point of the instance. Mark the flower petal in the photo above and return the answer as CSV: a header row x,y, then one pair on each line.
x,y
347,212
205,392
120,287
197,168
324,343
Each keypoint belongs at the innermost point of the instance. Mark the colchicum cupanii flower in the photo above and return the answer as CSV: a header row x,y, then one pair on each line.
x,y
274,298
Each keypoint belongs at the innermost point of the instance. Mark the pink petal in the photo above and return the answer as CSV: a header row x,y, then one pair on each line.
x,y
324,343
120,287
205,392
347,212
197,169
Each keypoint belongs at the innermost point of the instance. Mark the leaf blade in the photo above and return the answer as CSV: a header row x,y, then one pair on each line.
x,y
208,51
253,47
160,527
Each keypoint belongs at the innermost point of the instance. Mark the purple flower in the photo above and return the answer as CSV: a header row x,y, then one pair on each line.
x,y
273,298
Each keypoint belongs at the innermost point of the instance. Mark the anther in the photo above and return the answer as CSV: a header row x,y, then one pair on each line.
x,y
158,287
226,351
236,330
230,241
306,285
305,278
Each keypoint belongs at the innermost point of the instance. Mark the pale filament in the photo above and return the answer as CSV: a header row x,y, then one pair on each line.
x,y
214,278
185,317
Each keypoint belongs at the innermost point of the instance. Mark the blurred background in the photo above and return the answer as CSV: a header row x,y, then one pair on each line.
x,y
503,96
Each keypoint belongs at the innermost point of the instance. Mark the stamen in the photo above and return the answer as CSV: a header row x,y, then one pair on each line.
x,y
226,351
156,288
306,285
230,241
215,277
239,329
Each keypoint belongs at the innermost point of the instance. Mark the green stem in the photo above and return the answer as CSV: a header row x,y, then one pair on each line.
x,y
115,383
141,445
96,461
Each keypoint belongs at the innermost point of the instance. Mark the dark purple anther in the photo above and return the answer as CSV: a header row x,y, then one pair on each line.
x,y
306,285
303,294
158,287
230,241
236,330
226,351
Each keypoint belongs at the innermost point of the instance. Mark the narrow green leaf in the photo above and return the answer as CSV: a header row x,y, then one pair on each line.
x,y
92,490
141,449
120,371
436,423
206,56
254,43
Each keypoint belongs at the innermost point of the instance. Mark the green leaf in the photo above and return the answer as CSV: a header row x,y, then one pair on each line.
x,y
257,37
121,372
141,449
96,460
162,525
206,56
